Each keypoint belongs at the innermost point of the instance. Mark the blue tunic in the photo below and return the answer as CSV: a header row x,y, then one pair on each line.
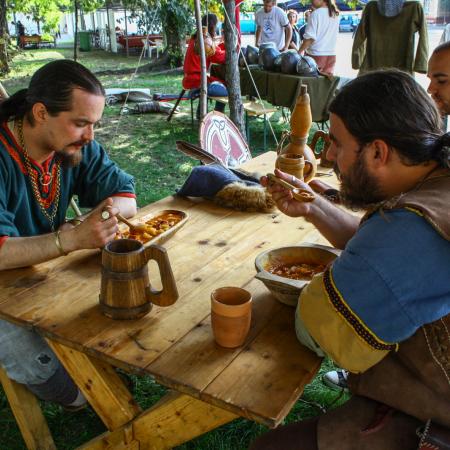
x,y
93,180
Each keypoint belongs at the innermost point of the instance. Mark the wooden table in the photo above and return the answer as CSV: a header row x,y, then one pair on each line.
x,y
210,385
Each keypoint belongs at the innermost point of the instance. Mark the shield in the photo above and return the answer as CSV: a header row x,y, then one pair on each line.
x,y
220,137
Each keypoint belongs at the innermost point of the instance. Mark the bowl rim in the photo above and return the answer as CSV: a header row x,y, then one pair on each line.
x,y
263,275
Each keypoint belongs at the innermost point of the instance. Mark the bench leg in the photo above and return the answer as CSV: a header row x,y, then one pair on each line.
x,y
247,128
265,132
28,415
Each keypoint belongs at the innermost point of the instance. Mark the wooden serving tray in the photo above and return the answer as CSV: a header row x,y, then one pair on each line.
x,y
164,236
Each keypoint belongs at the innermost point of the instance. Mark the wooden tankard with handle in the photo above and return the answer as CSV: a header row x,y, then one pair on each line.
x,y
125,291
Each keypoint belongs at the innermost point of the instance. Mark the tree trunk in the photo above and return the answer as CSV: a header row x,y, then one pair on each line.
x,y
4,39
175,42
201,44
232,68
75,33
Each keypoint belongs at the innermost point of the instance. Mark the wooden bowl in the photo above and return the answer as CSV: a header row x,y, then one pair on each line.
x,y
163,237
287,290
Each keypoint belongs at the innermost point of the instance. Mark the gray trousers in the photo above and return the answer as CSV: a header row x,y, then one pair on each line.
x,y
27,359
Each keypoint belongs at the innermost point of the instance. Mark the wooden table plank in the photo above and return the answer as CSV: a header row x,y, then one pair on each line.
x,y
201,358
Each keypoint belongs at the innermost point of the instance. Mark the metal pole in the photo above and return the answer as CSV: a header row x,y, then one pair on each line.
x,y
204,83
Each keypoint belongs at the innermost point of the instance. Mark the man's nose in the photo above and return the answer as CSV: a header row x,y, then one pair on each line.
x,y
331,153
431,89
88,134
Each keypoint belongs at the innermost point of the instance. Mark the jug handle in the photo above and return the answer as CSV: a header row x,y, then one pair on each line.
x,y
308,171
319,135
168,295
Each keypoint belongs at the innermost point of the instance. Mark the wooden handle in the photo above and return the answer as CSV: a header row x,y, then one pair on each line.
x,y
168,295
132,226
301,195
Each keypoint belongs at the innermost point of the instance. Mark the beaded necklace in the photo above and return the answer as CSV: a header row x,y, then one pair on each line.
x,y
45,179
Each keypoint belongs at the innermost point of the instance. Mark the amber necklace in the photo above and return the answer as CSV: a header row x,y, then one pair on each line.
x,y
50,217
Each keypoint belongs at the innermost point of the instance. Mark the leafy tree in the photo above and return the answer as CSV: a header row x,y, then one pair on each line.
x,y
4,39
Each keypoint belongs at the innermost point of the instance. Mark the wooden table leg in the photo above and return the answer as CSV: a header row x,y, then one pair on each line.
x,y
100,384
175,419
28,415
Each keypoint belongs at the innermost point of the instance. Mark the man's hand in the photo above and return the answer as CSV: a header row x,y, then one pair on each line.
x,y
283,197
95,231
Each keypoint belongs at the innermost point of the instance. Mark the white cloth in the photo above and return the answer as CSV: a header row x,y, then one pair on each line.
x,y
324,30
272,26
445,35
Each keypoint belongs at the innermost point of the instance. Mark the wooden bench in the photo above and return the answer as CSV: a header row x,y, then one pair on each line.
x,y
252,109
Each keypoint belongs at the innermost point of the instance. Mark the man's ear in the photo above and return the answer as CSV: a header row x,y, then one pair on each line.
x,y
40,113
379,153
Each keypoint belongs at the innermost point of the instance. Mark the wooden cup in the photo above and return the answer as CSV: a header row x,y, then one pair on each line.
x,y
231,313
125,291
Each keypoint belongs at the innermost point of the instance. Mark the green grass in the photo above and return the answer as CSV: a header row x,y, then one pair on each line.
x,y
144,146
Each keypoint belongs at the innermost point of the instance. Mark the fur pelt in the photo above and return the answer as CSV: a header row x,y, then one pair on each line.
x,y
245,198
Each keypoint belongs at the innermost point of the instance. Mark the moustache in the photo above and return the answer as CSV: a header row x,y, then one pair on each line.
x,y
79,143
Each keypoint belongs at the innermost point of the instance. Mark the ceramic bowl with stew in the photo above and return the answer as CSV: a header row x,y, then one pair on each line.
x,y
298,262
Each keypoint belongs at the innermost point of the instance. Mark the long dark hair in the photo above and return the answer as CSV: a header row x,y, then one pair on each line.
x,y
333,10
390,105
209,20
51,85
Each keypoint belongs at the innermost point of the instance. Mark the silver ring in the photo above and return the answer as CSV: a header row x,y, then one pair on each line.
x,y
293,178
105,214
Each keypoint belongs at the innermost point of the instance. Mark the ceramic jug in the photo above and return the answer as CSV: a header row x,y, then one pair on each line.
x,y
301,121
293,164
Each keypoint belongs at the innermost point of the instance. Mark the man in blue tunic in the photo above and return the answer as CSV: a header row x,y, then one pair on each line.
x,y
382,309
47,155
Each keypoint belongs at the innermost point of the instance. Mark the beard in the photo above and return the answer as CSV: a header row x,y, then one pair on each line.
x,y
359,189
70,160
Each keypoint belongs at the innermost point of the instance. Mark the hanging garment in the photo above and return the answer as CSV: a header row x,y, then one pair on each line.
x,y
386,41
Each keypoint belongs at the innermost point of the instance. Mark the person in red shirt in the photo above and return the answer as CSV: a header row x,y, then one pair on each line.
x,y
192,68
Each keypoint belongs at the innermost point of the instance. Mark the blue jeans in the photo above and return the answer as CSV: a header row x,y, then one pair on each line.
x,y
215,89
27,359
25,355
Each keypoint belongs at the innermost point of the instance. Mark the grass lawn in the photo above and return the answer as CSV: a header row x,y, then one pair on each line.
x,y
144,146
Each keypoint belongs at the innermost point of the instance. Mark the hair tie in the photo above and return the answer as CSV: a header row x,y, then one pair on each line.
x,y
444,140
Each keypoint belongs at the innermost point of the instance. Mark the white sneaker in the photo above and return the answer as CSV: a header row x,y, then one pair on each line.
x,y
336,379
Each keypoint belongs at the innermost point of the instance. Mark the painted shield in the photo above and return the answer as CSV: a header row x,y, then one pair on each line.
x,y
220,137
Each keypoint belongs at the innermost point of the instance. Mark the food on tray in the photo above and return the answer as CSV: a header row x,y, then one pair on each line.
x,y
153,227
296,271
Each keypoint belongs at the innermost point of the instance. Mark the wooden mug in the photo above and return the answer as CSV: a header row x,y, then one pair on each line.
x,y
125,291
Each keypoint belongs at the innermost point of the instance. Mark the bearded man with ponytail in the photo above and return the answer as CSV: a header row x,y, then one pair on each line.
x,y
47,155
382,308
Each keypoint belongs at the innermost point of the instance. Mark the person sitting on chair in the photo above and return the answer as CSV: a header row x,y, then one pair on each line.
x,y
192,65
48,154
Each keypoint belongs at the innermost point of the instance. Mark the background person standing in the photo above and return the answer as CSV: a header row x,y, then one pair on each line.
x,y
321,35
272,25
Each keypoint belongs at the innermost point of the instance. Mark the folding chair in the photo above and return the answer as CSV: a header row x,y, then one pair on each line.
x,y
192,95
